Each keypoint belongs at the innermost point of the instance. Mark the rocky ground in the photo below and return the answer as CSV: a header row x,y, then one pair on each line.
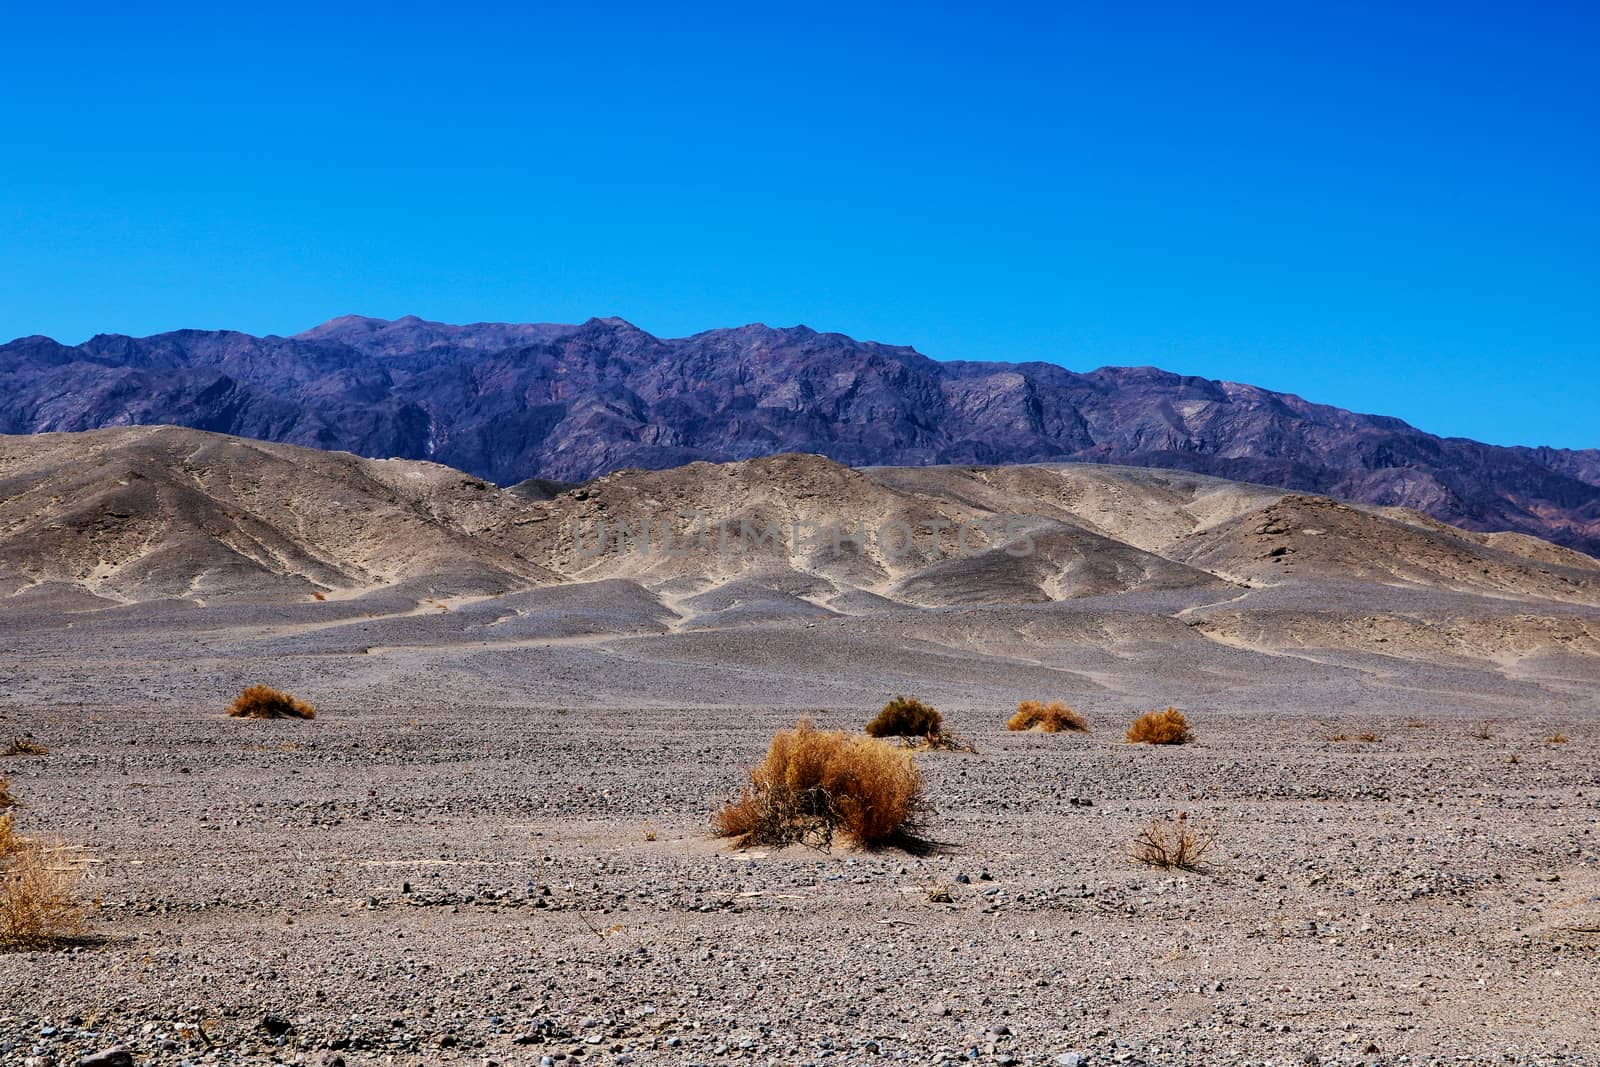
x,y
498,853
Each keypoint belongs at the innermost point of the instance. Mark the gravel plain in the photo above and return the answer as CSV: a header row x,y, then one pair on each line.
x,y
492,847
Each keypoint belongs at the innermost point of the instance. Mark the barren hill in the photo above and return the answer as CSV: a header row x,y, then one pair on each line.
x,y
136,515
143,514
510,402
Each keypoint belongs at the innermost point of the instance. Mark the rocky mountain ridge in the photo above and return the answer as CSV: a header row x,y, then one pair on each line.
x,y
509,402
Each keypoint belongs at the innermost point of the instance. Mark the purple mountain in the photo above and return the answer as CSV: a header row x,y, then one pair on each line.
x,y
512,402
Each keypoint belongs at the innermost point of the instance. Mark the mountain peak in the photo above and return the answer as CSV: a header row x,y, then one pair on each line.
x,y
511,401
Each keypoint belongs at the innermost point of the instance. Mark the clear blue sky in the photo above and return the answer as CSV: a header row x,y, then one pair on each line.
x,y
1390,207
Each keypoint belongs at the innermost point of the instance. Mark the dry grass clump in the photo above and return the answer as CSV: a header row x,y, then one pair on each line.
x,y
1160,728
906,717
1557,739
6,800
816,783
1366,737
1050,718
24,746
265,702
1174,843
38,883
38,896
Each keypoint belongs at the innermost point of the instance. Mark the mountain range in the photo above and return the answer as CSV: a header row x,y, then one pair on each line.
x,y
512,402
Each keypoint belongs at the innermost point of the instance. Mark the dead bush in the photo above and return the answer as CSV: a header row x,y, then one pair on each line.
x,y
816,783
24,746
906,717
1557,739
943,741
1174,843
38,896
6,799
1366,737
1050,718
1160,728
38,891
265,702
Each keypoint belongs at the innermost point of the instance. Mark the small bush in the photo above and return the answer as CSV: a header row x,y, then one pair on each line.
x,y
1160,728
1173,843
1048,718
815,783
265,702
6,799
24,746
1367,737
906,717
943,741
38,899
1557,739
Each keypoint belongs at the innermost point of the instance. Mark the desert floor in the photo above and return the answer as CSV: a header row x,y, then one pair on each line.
x,y
497,852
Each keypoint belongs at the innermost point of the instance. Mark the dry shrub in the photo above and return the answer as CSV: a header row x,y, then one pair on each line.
x,y
815,783
943,741
24,746
265,702
6,800
1484,732
1366,737
1160,728
1174,843
1557,739
1048,718
906,717
38,899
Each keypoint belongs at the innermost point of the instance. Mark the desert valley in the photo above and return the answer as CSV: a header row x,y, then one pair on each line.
x,y
493,843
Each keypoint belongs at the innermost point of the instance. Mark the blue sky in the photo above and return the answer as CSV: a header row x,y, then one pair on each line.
x,y
1392,208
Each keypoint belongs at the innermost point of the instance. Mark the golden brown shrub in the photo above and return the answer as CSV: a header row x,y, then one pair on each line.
x,y
815,783
1048,718
1160,728
5,795
38,898
1557,739
1175,842
906,717
24,746
1364,737
265,702
38,881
